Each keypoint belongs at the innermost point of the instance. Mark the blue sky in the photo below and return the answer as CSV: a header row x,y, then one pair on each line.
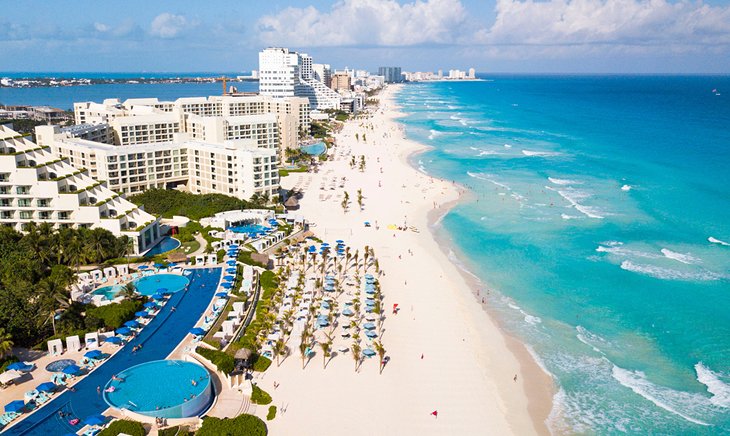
x,y
552,36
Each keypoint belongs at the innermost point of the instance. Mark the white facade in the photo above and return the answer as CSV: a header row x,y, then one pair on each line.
x,y
36,185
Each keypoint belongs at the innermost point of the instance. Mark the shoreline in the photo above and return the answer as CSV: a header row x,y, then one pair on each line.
x,y
540,388
446,354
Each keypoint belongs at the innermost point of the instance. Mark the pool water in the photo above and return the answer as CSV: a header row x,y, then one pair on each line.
x,y
162,388
59,365
149,285
250,229
109,292
166,244
314,149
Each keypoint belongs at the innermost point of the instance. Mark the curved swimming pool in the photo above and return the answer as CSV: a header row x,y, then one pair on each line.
x,y
108,292
161,388
314,149
166,244
149,285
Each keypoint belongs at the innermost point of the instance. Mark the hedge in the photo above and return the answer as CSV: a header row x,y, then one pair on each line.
x,y
261,364
243,425
123,426
112,316
224,362
259,396
272,413
175,431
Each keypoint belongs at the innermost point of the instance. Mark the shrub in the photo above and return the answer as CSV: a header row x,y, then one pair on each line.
x,y
124,426
245,257
243,425
175,431
5,361
112,316
272,413
194,206
260,396
223,362
261,364
269,282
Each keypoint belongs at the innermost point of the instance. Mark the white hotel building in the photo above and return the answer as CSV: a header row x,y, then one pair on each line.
x,y
36,185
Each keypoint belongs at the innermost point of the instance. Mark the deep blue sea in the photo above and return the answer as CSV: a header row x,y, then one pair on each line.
x,y
600,221
64,97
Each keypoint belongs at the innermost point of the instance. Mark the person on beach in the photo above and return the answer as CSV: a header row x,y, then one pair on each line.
x,y
515,378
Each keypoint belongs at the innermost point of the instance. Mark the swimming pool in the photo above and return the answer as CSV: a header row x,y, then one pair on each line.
x,y
162,388
166,244
59,365
250,229
314,149
108,292
149,285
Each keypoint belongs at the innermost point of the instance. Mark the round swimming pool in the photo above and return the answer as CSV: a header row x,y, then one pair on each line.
x,y
166,244
161,388
108,292
314,149
149,285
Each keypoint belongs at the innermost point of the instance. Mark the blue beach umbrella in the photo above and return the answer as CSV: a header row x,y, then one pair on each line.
x,y
227,285
131,324
125,331
325,304
141,314
114,340
143,267
149,305
229,278
312,249
369,325
197,331
93,354
348,312
231,262
46,387
15,406
371,334
369,291
94,420
231,270
171,264
340,241
159,265
71,369
233,246
157,296
368,352
222,294
19,366
369,276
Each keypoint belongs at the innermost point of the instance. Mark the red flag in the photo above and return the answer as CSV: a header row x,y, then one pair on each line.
x,y
435,413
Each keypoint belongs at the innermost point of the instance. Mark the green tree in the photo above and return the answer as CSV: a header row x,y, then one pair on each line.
x,y
381,354
359,198
356,354
6,343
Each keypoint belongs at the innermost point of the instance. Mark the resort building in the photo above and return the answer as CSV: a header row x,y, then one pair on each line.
x,y
391,74
37,185
341,81
284,73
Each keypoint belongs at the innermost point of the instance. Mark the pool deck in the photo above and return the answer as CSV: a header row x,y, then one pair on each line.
x,y
159,338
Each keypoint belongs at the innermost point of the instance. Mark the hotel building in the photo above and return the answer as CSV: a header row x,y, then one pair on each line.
x,y
37,185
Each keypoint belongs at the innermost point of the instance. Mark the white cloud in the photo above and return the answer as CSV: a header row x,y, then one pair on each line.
x,y
671,25
167,25
101,27
366,22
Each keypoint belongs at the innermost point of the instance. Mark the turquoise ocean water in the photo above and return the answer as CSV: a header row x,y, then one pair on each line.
x,y
600,221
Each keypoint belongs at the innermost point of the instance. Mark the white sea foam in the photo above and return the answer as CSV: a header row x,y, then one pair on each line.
x,y
573,196
717,241
618,250
533,320
540,153
676,402
507,146
557,181
589,338
488,153
670,274
486,178
719,389
626,188
433,134
679,257
569,217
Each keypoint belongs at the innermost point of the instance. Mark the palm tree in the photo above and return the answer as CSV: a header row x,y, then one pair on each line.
x,y
6,343
129,290
279,349
303,347
356,350
359,198
381,353
326,351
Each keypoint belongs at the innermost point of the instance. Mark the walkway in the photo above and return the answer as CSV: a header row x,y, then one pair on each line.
x,y
158,338
203,245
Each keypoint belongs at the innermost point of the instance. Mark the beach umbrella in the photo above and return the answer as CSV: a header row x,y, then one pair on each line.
x,y
143,267
229,278
94,420
71,369
157,296
348,312
227,285
221,294
325,304
312,249
15,406
369,325
197,331
368,352
171,264
369,276
149,305
325,244
47,386
93,354
340,241
125,331
231,262
233,246
371,334
369,303
114,340
159,265
231,270
19,366
140,314
131,324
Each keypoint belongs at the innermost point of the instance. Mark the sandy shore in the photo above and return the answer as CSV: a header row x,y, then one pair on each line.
x,y
446,353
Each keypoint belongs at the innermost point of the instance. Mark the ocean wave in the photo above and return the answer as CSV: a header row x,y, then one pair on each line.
x,y
717,241
619,250
679,257
676,402
626,188
590,339
433,134
573,197
486,178
670,274
556,181
507,146
569,217
719,389
533,320
540,153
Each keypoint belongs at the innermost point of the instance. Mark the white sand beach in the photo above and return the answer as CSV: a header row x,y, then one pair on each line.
x,y
446,353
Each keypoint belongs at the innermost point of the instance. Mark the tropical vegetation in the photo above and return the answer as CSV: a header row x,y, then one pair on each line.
x,y
169,202
124,427
242,425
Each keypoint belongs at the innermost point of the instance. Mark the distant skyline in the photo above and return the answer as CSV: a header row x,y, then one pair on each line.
x,y
553,36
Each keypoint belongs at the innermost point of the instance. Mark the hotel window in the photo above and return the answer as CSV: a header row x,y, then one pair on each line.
x,y
24,202
26,215
4,190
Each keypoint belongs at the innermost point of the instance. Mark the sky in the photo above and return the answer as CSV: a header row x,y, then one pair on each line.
x,y
520,36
